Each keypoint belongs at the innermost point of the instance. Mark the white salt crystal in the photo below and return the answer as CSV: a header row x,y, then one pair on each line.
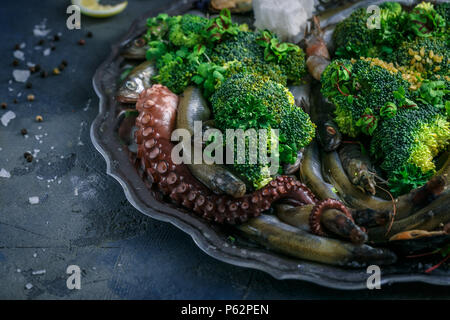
x,y
47,52
38,272
4,174
19,55
30,64
28,286
40,30
33,200
22,45
21,75
7,117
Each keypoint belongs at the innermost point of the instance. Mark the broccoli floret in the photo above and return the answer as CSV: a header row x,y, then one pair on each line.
x,y
359,90
428,56
243,54
426,21
294,66
157,27
174,72
187,30
248,56
354,39
256,175
411,137
246,101
444,10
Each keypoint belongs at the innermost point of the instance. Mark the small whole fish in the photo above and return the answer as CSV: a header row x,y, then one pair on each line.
x,y
137,80
136,49
328,133
358,167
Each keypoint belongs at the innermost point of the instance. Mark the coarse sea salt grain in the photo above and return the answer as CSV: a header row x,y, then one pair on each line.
x,y
40,30
7,117
33,200
39,272
4,173
21,75
28,286
19,55
47,52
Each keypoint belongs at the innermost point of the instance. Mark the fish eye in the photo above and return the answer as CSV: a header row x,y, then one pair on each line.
x,y
139,42
331,130
130,85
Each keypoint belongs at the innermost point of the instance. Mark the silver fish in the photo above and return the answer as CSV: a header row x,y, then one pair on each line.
x,y
137,80
136,49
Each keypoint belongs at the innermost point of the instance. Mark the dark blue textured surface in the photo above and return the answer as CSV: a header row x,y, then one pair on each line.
x,y
85,219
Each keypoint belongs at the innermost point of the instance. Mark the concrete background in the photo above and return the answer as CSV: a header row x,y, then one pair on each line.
x,y
83,217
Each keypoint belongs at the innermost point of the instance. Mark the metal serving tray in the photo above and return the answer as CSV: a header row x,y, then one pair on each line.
x,y
212,239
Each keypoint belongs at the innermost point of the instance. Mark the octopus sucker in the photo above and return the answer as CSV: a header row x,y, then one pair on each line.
x,y
316,212
155,123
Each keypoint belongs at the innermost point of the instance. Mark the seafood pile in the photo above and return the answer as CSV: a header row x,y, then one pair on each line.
x,y
356,185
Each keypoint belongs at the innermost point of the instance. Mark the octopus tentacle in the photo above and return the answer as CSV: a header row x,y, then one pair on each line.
x,y
316,212
157,108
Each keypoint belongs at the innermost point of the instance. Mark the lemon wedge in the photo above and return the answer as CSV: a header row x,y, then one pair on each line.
x,y
94,9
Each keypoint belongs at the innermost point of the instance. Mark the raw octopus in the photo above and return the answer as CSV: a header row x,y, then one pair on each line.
x,y
157,107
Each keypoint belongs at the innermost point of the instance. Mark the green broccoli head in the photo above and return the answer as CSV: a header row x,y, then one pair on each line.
x,y
413,137
428,56
294,66
187,30
426,21
248,56
361,90
243,54
443,9
174,72
251,101
157,27
355,39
